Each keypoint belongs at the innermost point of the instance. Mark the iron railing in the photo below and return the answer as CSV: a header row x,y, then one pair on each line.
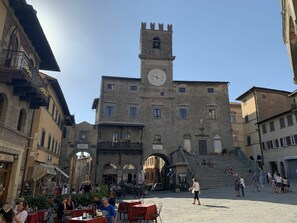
x,y
18,60
250,163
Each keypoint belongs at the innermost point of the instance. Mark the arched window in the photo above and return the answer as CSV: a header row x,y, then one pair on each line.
x,y
156,43
22,120
3,107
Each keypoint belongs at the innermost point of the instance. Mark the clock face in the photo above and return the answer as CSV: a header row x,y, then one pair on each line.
x,y
157,77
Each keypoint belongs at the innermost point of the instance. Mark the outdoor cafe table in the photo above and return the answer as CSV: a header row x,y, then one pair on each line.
x,y
142,211
32,217
124,206
79,212
87,220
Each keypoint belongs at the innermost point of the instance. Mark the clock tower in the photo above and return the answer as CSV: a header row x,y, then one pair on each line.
x,y
156,56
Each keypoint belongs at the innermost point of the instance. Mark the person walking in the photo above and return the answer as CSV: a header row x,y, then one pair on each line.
x,y
195,190
242,185
237,186
254,182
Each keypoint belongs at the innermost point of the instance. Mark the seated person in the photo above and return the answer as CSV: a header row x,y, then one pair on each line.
x,y
60,210
112,198
97,201
108,211
69,205
20,212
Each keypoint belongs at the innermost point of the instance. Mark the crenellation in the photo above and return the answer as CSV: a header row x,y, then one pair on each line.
x,y
152,26
143,25
161,26
169,27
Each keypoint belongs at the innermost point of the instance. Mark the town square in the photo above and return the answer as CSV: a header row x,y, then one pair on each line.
x,y
117,111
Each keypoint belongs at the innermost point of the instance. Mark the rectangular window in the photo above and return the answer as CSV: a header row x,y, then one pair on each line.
x,y
264,96
49,142
290,120
248,140
162,93
210,90
133,88
264,129
293,141
109,111
276,143
183,113
53,144
246,118
264,144
110,86
157,112
233,118
273,144
285,143
212,113
282,123
132,111
271,124
182,90
42,138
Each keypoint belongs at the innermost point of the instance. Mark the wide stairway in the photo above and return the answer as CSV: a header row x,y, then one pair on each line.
x,y
215,177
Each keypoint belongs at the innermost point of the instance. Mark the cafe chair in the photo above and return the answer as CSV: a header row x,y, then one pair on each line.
x,y
124,211
154,216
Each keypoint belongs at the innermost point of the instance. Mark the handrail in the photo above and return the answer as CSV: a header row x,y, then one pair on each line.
x,y
251,164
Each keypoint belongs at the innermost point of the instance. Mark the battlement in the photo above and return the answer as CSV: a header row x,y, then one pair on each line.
x,y
152,27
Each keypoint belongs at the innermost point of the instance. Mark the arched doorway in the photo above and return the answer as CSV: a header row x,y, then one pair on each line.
x,y
156,169
129,173
110,174
81,171
217,144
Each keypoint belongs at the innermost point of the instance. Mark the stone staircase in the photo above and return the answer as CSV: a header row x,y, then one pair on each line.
x,y
216,177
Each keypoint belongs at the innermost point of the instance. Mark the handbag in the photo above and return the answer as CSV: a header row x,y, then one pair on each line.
x,y
193,191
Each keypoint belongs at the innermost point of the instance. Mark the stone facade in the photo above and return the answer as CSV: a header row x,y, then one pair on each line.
x,y
21,89
237,125
289,8
155,115
259,104
279,143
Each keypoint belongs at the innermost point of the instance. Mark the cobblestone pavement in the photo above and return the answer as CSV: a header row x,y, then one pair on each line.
x,y
221,205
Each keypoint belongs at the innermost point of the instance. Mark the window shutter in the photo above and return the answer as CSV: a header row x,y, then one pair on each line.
x,y
281,142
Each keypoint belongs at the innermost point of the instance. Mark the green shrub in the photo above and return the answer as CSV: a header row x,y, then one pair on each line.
x,y
38,201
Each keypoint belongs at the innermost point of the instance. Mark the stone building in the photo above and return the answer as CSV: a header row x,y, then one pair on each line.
x,y
155,115
289,30
237,125
259,104
42,162
279,141
23,51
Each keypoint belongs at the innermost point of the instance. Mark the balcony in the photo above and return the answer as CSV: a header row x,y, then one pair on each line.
x,y
17,70
116,147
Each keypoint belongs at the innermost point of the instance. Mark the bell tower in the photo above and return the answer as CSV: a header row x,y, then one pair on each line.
x,y
156,56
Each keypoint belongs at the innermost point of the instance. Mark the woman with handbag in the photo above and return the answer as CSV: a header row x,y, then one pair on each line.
x,y
195,190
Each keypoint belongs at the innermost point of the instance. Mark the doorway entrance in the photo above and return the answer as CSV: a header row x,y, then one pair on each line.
x,y
202,147
5,169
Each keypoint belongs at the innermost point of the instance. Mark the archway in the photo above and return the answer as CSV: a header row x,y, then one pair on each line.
x,y
156,169
79,166
110,174
129,173
82,165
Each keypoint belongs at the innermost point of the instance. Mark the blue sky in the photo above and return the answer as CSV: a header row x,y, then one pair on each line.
x,y
238,41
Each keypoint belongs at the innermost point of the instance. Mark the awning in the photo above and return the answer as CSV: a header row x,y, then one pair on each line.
x,y
42,169
62,172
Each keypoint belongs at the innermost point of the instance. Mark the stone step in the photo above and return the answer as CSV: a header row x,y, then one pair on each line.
x,y
215,177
